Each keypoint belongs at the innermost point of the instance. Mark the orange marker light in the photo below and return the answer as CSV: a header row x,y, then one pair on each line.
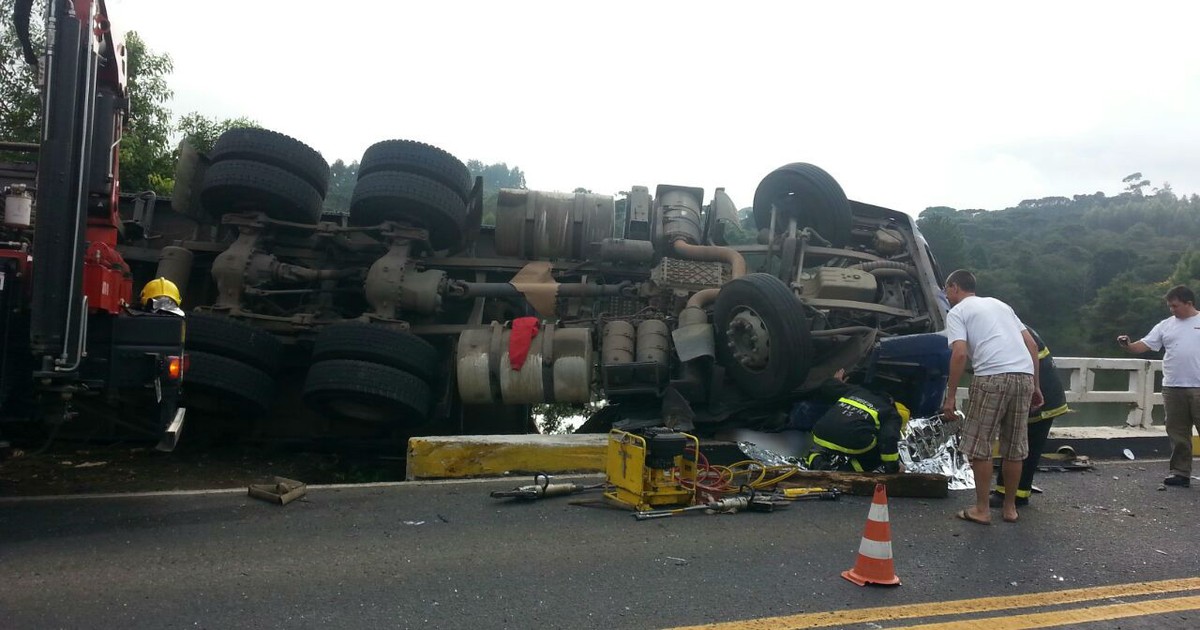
x,y
176,366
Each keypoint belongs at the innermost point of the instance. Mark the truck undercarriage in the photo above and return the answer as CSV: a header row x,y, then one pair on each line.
x,y
408,316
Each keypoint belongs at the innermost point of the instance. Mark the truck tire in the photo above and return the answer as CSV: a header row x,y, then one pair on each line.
x,y
367,392
275,149
234,339
247,186
779,352
234,385
376,344
814,198
385,196
418,158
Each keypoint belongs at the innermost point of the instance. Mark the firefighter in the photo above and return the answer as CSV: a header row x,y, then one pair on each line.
x,y
860,432
161,296
1038,425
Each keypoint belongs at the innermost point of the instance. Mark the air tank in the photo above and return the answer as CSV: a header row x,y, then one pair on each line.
x,y
538,225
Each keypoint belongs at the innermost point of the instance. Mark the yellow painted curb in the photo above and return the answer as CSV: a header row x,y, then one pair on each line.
x,y
457,457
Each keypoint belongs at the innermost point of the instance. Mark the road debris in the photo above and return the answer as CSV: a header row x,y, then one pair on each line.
x,y
282,491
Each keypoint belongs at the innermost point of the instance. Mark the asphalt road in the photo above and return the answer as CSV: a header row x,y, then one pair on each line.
x,y
446,555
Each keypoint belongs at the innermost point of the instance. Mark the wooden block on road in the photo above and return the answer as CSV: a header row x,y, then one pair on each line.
x,y
913,485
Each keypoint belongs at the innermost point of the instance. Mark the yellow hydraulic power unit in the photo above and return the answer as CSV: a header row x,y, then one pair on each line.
x,y
652,469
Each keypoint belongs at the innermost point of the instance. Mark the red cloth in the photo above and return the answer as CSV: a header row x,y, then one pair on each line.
x,y
524,329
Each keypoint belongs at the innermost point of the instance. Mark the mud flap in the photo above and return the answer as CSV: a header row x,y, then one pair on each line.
x,y
170,436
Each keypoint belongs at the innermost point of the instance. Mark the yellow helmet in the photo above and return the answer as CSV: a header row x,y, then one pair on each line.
x,y
159,288
905,414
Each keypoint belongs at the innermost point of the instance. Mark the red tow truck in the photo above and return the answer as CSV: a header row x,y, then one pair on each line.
x,y
73,340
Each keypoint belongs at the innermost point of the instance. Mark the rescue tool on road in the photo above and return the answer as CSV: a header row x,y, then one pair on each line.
x,y
543,489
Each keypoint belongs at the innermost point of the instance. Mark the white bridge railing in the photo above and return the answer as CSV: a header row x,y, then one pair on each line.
x,y
1079,378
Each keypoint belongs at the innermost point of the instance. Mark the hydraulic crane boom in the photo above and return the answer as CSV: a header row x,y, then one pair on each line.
x,y
85,103
79,324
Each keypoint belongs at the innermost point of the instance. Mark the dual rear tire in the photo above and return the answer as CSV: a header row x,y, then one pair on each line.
x,y
232,366
371,374
404,180
256,170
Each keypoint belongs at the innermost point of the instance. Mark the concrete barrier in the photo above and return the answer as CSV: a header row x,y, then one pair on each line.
x,y
456,457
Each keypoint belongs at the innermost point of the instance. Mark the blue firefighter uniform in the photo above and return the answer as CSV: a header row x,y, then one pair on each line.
x,y
861,430
1040,421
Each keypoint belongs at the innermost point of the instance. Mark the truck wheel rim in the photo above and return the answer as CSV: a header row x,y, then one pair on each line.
x,y
749,339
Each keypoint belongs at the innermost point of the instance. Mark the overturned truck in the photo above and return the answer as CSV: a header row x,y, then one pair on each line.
x,y
398,318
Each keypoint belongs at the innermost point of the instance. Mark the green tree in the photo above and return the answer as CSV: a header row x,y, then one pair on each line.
x,y
146,162
1187,270
342,177
1125,306
1134,183
563,417
203,131
20,103
937,211
495,177
945,239
1108,263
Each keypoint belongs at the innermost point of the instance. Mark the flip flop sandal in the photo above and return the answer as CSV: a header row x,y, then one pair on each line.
x,y
966,516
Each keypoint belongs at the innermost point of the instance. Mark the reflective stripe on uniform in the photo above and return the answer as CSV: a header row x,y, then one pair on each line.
x,y
1044,353
857,405
1021,494
890,457
1054,413
842,449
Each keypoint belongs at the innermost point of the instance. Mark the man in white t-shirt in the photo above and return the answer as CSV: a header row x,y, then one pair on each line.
x,y
1003,389
1179,335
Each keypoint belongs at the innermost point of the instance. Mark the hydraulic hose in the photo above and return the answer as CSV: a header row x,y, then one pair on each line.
x,y
21,12
879,265
711,253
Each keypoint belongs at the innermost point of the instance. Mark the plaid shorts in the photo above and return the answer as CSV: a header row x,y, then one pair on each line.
x,y
997,402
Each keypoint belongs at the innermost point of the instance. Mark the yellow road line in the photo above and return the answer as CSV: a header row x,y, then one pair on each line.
x,y
1069,617
955,607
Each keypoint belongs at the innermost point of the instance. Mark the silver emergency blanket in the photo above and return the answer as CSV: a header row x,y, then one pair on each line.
x,y
930,445
768,457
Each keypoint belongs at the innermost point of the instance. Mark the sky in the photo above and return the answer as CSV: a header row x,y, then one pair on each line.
x,y
907,104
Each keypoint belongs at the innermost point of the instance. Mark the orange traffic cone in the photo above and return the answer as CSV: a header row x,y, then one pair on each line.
x,y
874,564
